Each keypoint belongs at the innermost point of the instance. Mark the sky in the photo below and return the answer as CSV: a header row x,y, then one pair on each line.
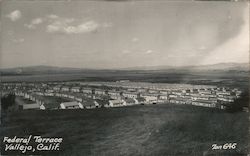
x,y
123,34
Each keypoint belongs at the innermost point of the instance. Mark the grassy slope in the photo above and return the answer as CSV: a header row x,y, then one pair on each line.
x,y
136,130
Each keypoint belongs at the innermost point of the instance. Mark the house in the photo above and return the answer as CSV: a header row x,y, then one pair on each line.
x,y
130,94
20,93
71,105
57,88
42,107
172,96
130,101
226,99
90,103
75,89
78,98
140,100
153,91
39,93
35,106
103,102
205,92
177,92
164,97
180,100
116,103
204,103
70,95
59,95
26,96
39,101
223,93
87,90
150,98
164,92
142,90
201,98
131,89
65,89
32,98
220,106
114,94
100,92
49,90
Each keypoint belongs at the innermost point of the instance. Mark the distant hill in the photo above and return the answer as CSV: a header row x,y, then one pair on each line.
x,y
212,67
37,70
226,67
223,66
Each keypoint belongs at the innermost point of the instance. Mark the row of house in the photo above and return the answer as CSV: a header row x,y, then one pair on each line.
x,y
206,96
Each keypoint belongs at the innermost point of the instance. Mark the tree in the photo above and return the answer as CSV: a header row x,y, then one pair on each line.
x,y
239,103
8,101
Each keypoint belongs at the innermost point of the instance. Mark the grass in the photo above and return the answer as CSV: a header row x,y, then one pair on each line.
x,y
136,130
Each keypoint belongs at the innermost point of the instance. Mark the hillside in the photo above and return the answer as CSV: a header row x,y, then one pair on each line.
x,y
62,70
176,130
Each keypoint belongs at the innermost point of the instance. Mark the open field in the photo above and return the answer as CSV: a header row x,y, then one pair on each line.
x,y
220,78
136,130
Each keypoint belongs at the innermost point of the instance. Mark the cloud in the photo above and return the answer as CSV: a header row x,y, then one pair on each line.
x,y
52,16
202,48
30,26
19,40
65,27
15,15
135,39
56,24
149,52
107,25
10,32
235,49
126,51
36,21
33,23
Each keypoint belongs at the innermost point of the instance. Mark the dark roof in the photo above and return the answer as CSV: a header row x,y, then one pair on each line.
x,y
129,100
140,99
88,102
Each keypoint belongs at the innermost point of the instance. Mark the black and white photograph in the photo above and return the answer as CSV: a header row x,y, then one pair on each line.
x,y
124,77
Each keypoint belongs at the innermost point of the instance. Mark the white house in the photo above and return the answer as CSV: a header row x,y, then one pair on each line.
x,y
87,90
100,92
150,98
65,89
42,107
130,94
71,105
75,89
114,94
204,103
164,97
57,88
116,103
26,96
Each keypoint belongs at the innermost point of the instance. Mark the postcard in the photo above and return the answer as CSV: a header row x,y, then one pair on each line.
x,y
124,77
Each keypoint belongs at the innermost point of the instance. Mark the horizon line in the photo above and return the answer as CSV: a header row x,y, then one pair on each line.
x,y
122,68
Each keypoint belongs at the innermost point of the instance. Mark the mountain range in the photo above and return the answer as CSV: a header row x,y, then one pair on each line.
x,y
58,70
